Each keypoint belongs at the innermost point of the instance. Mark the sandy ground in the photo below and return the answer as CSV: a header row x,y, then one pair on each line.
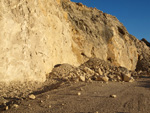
x,y
95,98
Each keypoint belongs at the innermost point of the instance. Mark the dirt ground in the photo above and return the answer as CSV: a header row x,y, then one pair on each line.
x,y
94,97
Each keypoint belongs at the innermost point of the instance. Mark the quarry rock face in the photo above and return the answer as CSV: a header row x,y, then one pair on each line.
x,y
36,35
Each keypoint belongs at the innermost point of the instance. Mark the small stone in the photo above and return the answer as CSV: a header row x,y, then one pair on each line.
x,y
89,71
100,71
96,74
102,78
79,93
41,101
105,79
126,77
82,78
49,106
32,96
119,78
15,106
96,112
113,96
139,72
131,79
62,104
6,108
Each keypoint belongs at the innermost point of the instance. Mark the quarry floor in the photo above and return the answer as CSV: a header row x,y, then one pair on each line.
x,y
91,97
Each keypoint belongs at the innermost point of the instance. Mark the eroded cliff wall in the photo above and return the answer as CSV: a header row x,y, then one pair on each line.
x,y
35,35
38,34
101,35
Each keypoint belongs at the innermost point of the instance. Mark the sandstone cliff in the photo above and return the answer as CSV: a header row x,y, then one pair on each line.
x,y
38,34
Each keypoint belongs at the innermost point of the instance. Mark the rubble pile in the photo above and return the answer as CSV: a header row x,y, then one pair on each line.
x,y
94,69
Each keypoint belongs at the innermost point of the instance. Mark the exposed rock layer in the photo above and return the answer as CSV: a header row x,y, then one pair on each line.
x,y
101,35
35,35
143,63
146,42
38,34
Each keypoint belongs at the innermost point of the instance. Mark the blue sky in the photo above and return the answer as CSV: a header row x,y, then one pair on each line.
x,y
134,14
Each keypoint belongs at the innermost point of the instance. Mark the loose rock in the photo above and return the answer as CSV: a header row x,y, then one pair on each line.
x,y
41,101
100,71
82,78
113,96
126,77
131,79
6,108
102,78
32,96
15,106
89,71
79,93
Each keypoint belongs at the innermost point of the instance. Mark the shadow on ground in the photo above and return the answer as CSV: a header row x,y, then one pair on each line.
x,y
144,82
47,88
